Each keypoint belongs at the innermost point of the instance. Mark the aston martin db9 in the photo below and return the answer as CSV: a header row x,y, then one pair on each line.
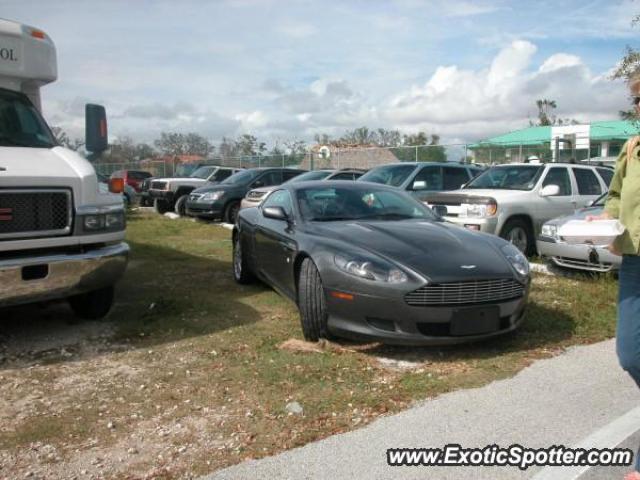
x,y
368,262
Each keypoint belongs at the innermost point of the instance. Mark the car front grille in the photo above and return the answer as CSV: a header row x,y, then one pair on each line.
x,y
465,293
158,185
34,213
194,197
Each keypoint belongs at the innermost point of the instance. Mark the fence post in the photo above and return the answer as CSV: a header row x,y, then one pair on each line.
x,y
283,160
416,157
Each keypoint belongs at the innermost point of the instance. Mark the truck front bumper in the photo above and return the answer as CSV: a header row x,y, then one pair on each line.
x,y
486,225
28,279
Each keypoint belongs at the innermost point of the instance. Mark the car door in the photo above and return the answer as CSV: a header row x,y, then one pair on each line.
x,y
275,243
427,180
589,186
555,205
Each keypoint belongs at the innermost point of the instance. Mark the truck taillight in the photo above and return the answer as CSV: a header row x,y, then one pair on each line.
x,y
38,34
116,185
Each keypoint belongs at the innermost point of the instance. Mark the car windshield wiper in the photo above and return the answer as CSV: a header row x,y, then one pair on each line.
x,y
387,216
331,219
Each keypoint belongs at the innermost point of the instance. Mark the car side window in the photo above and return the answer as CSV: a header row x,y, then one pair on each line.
x,y
288,175
279,198
454,177
432,178
606,174
222,173
587,182
343,176
558,176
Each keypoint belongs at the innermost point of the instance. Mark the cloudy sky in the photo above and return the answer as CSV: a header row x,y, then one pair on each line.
x,y
284,69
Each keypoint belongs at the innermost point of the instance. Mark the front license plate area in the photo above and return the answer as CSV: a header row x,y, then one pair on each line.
x,y
475,321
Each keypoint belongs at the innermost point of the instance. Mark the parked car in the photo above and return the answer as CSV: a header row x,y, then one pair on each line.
x,y
422,178
369,262
580,257
223,201
133,178
254,197
514,200
172,193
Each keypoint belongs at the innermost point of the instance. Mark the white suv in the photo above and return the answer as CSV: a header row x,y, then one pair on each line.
x,y
514,200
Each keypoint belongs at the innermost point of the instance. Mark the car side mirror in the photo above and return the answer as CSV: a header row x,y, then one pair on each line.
x,y
419,185
96,138
549,191
276,213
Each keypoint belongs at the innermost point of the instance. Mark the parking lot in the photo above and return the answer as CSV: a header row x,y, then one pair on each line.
x,y
191,373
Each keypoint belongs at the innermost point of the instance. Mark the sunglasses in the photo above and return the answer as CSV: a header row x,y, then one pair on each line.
x,y
635,100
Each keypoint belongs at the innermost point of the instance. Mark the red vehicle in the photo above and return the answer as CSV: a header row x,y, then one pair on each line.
x,y
133,178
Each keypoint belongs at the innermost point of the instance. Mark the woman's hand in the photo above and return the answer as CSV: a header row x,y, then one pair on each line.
x,y
602,216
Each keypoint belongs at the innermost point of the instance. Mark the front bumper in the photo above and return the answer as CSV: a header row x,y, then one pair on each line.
x,y
166,195
579,257
392,321
486,225
28,279
204,210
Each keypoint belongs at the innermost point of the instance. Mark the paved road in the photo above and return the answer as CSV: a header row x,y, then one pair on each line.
x,y
560,401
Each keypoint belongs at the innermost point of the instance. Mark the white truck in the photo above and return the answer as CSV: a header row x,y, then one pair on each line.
x,y
61,236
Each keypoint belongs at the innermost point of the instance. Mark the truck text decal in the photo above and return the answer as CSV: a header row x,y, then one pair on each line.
x,y
8,54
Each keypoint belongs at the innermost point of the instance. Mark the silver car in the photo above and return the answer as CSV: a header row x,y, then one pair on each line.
x,y
579,257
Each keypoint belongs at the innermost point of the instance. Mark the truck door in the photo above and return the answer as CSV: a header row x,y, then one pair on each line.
x,y
589,187
557,205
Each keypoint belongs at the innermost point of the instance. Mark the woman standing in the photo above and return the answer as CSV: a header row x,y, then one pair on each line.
x,y
623,203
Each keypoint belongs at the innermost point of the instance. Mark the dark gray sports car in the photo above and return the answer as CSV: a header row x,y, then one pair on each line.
x,y
368,262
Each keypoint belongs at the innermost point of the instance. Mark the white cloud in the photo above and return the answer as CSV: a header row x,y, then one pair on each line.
x,y
297,30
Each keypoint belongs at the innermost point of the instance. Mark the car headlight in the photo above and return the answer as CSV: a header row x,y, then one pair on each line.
x,y
103,222
370,269
549,230
212,196
517,260
478,210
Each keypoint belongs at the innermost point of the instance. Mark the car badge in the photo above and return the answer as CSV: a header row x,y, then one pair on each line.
x,y
3,169
468,267
6,214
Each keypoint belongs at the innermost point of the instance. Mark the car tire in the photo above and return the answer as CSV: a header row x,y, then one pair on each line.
x,y
93,305
231,212
160,206
518,232
242,274
145,202
181,205
312,303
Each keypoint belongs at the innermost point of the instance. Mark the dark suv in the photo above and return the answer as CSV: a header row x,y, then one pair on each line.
x,y
222,201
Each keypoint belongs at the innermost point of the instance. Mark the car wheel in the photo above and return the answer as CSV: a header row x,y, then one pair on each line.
x,y
311,303
92,305
161,206
181,205
241,272
519,233
231,212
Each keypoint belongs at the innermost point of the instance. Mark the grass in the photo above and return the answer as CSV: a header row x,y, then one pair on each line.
x,y
202,352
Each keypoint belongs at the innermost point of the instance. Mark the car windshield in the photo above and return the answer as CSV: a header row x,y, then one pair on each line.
x,y
309,176
326,204
203,172
21,124
394,175
185,169
508,177
241,177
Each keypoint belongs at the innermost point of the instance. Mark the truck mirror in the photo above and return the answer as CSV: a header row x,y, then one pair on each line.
x,y
96,139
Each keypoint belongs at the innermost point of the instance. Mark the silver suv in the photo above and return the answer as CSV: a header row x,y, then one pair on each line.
x,y
514,200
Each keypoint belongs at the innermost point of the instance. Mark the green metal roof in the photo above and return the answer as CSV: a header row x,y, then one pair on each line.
x,y
605,130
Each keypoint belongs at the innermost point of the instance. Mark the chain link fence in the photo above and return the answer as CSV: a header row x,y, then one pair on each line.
x,y
572,149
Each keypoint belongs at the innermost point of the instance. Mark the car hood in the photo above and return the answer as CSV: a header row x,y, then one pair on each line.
x,y
458,196
579,215
440,251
